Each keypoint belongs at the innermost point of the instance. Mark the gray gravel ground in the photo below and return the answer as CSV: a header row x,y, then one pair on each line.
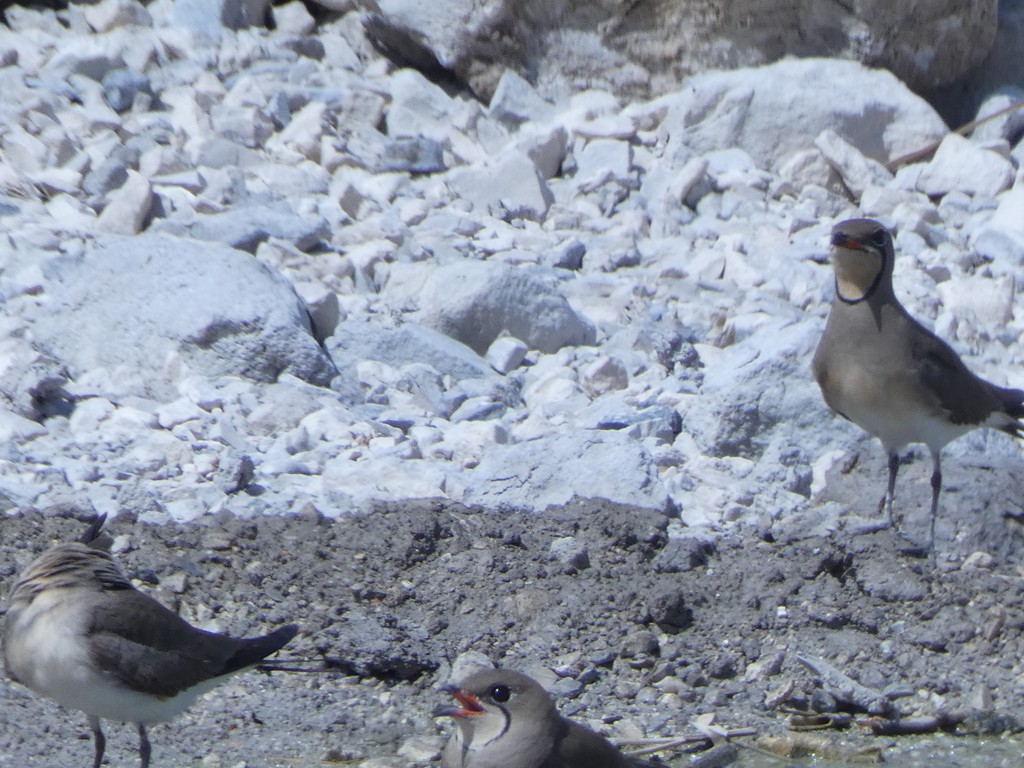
x,y
645,630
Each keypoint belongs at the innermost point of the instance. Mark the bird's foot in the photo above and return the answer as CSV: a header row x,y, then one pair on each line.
x,y
916,551
911,548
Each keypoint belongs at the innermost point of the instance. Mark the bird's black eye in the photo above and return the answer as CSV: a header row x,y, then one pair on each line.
x,y
500,693
878,238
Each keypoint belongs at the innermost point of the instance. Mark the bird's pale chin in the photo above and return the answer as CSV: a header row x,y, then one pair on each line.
x,y
856,270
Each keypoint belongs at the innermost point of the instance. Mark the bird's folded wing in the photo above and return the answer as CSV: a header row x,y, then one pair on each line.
x,y
148,648
582,748
965,398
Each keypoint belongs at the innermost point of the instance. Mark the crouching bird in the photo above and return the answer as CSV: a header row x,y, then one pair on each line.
x,y
505,719
881,369
78,632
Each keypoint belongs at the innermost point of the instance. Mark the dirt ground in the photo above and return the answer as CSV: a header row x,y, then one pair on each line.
x,y
645,630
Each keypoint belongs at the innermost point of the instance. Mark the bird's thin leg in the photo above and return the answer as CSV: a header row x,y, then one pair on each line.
x,y
936,487
99,740
890,489
144,749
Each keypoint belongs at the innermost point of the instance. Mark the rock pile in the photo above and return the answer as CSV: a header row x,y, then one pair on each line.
x,y
260,271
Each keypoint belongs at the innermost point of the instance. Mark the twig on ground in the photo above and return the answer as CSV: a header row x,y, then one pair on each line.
x,y
686,743
963,130
911,726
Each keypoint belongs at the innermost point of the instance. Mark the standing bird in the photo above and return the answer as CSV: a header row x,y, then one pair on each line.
x,y
78,632
888,374
507,720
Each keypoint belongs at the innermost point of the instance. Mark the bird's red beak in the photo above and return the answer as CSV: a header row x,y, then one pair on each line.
x,y
469,705
843,240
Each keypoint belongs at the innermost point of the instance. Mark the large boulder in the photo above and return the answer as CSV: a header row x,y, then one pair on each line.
x,y
774,111
960,101
648,47
137,315
357,340
475,302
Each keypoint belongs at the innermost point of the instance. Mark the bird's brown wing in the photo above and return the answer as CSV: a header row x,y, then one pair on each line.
x,y
148,648
964,397
579,747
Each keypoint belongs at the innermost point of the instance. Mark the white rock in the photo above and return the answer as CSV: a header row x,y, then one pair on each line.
x,y
553,397
23,19
774,110
505,354
984,302
1003,246
203,21
421,749
806,167
556,470
787,400
89,415
129,206
917,215
419,108
962,165
18,429
338,52
348,485
606,374
477,408
72,214
193,181
606,127
570,552
409,344
515,101
293,19
464,443
111,14
223,430
670,187
324,309
179,510
298,180
881,201
246,125
601,161
23,149
1007,215
143,302
858,172
57,180
247,226
303,134
1010,125
522,193
546,146
477,302
178,412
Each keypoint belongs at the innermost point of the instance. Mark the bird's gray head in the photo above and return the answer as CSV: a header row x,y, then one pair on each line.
x,y
862,256
69,566
500,703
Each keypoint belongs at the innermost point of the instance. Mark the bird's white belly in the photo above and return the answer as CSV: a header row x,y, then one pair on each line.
x,y
895,414
48,652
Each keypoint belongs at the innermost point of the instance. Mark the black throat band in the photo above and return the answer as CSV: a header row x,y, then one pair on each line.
x,y
871,288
